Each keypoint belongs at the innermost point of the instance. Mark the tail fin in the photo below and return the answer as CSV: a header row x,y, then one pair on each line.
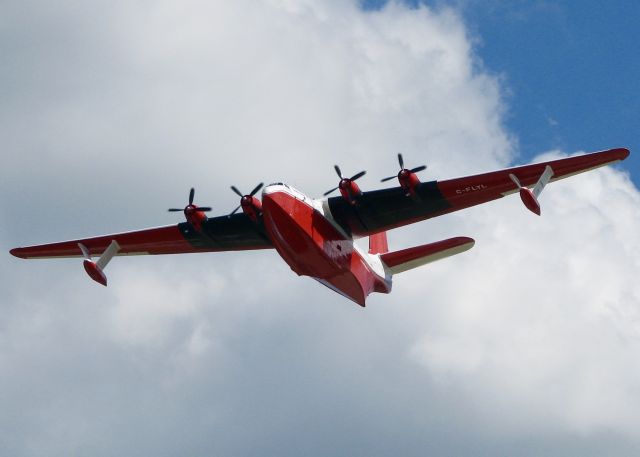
x,y
406,259
378,243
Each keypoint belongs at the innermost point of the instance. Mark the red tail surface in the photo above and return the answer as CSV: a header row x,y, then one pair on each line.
x,y
406,259
378,243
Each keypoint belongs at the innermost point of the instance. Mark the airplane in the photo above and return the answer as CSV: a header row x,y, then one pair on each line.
x,y
315,237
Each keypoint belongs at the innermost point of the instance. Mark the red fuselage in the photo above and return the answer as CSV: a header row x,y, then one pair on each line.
x,y
306,237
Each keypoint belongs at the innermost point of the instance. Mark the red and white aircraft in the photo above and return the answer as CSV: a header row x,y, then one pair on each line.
x,y
316,236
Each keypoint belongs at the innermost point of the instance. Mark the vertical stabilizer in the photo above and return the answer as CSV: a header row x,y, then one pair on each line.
x,y
378,243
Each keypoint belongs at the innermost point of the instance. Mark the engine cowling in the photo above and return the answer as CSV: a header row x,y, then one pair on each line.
x,y
349,190
407,178
347,186
194,214
250,204
252,207
409,182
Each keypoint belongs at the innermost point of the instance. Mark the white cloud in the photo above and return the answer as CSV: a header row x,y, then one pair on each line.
x,y
547,320
526,342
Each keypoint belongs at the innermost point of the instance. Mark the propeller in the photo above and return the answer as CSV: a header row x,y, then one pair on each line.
x,y
191,205
242,196
402,168
342,178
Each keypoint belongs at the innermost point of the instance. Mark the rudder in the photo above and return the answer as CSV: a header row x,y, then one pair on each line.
x,y
378,243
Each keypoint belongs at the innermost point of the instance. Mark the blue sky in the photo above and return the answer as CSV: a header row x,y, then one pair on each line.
x,y
571,70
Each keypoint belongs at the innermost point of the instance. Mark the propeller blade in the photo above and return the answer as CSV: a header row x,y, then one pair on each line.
x,y
516,181
172,210
204,209
256,189
235,189
417,169
191,194
234,211
400,161
329,191
337,168
358,175
388,179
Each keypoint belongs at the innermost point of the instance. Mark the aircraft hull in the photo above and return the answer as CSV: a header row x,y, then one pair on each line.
x,y
313,246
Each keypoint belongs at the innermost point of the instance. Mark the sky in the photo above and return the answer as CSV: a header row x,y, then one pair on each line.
x,y
527,344
569,69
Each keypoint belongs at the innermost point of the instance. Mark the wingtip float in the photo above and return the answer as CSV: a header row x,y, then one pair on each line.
x,y
315,237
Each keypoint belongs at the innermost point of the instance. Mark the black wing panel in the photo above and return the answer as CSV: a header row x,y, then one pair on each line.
x,y
224,233
385,209
381,210
227,233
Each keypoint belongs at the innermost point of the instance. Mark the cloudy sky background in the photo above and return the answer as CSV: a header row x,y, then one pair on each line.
x,y
527,344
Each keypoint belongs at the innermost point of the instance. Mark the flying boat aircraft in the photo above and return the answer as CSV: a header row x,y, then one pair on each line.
x,y
315,237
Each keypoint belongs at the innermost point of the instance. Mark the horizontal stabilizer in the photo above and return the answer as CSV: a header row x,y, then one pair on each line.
x,y
406,259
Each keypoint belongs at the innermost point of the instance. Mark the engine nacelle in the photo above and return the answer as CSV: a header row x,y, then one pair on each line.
x,y
252,207
409,181
349,190
195,217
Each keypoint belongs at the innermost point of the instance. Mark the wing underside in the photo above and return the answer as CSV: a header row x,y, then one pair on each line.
x,y
375,211
385,209
218,234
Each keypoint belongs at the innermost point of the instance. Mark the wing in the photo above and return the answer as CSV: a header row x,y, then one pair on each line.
x,y
222,233
385,209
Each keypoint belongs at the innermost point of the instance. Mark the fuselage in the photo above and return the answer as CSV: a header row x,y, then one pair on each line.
x,y
313,244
